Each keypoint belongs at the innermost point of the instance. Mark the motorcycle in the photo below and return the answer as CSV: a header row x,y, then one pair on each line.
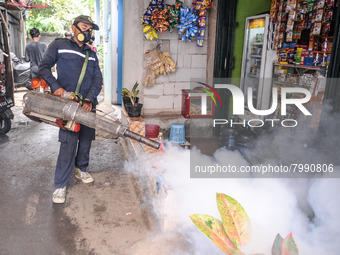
x,y
21,73
6,113
5,121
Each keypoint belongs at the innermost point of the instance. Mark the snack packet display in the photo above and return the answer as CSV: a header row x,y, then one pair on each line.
x,y
201,6
174,11
149,32
159,20
154,20
153,59
157,64
146,19
188,23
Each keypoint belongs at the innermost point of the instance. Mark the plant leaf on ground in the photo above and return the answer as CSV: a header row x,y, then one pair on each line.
x,y
235,220
214,230
289,246
277,245
234,230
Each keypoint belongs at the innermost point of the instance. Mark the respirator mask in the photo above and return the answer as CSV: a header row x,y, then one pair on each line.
x,y
84,36
91,40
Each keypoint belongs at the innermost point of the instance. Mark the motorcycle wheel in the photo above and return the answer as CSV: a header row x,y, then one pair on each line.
x,y
5,125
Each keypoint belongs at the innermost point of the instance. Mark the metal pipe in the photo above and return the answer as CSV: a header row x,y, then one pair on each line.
x,y
68,110
142,139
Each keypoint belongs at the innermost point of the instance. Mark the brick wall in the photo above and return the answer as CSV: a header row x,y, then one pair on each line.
x,y
165,95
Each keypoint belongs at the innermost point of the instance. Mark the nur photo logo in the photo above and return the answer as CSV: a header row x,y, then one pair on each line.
x,y
238,104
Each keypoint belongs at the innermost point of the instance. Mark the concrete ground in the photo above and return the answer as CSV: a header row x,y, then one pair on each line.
x,y
100,218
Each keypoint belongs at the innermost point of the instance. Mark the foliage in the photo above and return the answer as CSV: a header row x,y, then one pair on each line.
x,y
100,54
213,228
131,94
234,231
235,220
277,245
285,246
59,16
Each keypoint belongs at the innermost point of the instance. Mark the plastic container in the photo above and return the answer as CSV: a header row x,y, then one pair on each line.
x,y
177,133
151,131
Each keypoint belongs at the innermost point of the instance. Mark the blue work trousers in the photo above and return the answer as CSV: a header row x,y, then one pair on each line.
x,y
74,151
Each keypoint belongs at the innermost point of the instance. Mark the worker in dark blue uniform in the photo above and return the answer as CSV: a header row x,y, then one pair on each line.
x,y
69,55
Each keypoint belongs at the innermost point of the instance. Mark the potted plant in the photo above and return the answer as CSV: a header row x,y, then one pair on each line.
x,y
130,101
130,97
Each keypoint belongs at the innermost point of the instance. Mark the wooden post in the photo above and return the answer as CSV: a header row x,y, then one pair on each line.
x,y
9,83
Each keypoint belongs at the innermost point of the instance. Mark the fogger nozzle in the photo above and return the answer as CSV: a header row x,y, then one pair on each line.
x,y
64,109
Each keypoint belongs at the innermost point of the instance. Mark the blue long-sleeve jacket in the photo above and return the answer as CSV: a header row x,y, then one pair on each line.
x,y
69,58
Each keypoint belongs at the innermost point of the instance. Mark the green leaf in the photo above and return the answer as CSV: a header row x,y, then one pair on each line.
x,y
289,246
235,220
135,86
134,90
213,229
277,245
135,93
125,92
59,16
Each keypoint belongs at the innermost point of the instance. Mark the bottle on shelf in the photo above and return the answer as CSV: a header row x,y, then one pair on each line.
x,y
253,70
325,45
257,66
253,49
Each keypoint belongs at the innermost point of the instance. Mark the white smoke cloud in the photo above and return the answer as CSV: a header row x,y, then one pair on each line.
x,y
308,208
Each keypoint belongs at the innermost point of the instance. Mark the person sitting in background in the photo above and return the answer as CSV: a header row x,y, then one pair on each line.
x,y
34,53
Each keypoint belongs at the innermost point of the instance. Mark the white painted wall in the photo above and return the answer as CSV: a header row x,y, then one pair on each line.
x,y
133,44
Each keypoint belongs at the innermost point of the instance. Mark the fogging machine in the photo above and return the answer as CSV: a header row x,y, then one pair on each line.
x,y
68,114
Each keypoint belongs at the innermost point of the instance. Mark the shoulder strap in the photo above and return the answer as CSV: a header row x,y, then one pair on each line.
x,y
82,74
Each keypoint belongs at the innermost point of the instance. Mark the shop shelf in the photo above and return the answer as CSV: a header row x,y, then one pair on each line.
x,y
253,76
287,84
257,44
301,66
